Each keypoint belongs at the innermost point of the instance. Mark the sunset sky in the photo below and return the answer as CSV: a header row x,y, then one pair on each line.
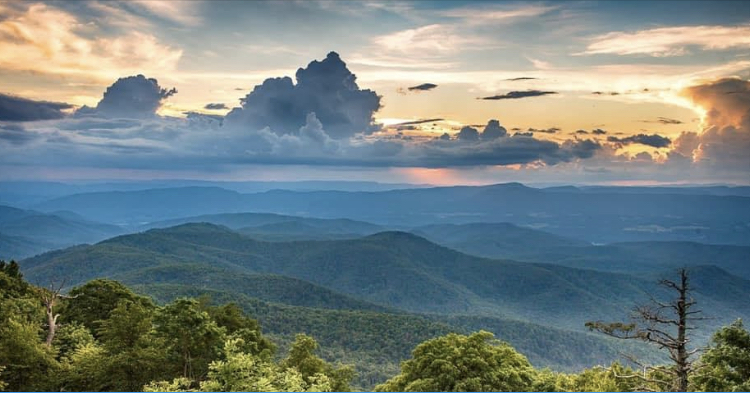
x,y
581,92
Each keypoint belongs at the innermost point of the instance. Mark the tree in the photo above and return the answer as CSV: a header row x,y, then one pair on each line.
x,y
665,325
725,366
231,317
303,359
95,300
192,338
50,298
27,361
454,362
243,371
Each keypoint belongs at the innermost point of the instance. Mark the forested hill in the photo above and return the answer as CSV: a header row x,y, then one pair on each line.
x,y
389,269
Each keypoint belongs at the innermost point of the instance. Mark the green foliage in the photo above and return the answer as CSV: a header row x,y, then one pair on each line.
x,y
231,317
725,366
70,337
455,362
599,379
302,358
92,302
191,337
27,361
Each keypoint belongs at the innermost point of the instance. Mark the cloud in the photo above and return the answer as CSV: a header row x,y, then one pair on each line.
x,y
14,108
551,130
670,41
216,106
483,15
515,150
598,131
428,41
663,120
422,87
47,40
724,141
15,134
519,94
468,134
326,88
132,97
521,78
653,140
493,130
420,121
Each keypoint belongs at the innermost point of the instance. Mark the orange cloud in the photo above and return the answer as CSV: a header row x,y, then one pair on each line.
x,y
51,41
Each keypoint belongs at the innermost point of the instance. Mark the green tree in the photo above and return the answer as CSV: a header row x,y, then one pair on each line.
x,y
231,317
725,365
303,359
69,338
243,371
191,337
27,361
135,356
454,362
92,302
599,379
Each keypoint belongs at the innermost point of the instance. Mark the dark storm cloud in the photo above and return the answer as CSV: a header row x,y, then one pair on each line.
x,y
216,106
653,140
133,97
519,94
422,87
326,88
14,108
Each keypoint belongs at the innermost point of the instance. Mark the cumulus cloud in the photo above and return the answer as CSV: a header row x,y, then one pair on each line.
x,y
493,130
653,140
519,94
326,88
14,108
725,140
468,133
132,97
215,106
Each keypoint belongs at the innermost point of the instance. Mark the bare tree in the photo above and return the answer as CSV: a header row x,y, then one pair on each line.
x,y
50,296
665,325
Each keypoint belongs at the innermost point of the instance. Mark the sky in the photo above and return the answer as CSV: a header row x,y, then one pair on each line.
x,y
446,92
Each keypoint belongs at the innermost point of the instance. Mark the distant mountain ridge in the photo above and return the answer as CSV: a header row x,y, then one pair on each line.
x,y
600,216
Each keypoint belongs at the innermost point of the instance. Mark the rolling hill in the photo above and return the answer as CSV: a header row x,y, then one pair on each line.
x,y
26,232
390,269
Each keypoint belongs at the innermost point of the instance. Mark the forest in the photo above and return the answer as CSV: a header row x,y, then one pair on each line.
x,y
103,336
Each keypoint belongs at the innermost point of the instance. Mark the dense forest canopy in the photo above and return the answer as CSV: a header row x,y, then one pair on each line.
x,y
106,337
